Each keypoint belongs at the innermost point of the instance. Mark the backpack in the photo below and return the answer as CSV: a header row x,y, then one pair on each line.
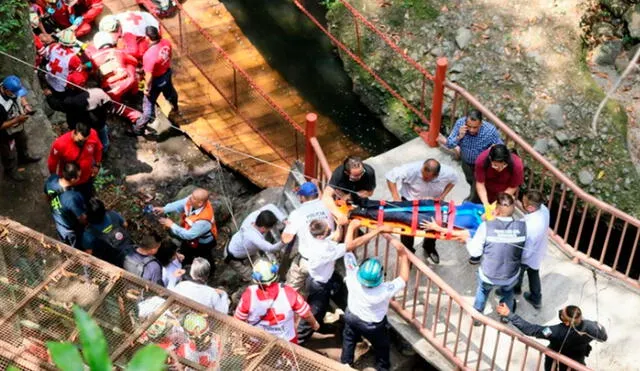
x,y
137,267
112,244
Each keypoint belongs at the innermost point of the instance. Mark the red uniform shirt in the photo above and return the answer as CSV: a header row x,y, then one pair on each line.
x,y
65,150
157,59
88,9
498,181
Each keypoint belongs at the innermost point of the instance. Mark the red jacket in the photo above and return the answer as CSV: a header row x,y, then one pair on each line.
x,y
116,71
65,150
88,9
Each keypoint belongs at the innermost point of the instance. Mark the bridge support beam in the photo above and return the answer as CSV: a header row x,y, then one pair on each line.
x,y
436,105
309,154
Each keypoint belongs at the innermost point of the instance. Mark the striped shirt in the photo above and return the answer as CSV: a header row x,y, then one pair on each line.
x,y
472,145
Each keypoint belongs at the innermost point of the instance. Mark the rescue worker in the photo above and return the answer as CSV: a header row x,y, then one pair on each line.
x,y
312,208
497,246
156,64
323,253
249,240
129,28
351,181
197,229
203,345
74,15
272,306
81,146
115,68
197,290
106,236
63,63
14,111
570,337
67,205
428,180
368,304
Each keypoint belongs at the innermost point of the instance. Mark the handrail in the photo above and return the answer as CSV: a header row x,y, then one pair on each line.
x,y
400,304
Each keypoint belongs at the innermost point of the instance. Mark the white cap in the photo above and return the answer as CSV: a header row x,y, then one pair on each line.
x,y
108,24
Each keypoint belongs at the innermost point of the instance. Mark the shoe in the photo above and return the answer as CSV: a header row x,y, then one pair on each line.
x,y
28,160
475,260
433,255
16,176
527,297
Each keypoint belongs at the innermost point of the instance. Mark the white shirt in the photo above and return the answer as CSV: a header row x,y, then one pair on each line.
x,y
300,219
168,274
248,240
203,294
322,258
370,304
408,178
475,247
535,246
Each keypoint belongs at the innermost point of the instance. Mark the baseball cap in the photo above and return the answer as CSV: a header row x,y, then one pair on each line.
x,y
307,189
13,84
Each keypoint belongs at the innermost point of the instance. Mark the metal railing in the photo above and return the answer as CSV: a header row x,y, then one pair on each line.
x,y
40,280
585,227
242,94
445,318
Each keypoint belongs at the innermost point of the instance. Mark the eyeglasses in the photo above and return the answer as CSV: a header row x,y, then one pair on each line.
x,y
358,177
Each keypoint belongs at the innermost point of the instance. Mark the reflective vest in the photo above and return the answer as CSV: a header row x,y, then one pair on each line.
x,y
135,23
502,254
59,59
207,213
275,316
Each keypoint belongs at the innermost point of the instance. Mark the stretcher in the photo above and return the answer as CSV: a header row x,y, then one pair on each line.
x,y
404,217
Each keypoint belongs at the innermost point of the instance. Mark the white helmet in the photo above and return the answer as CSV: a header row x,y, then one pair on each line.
x,y
67,37
101,39
109,24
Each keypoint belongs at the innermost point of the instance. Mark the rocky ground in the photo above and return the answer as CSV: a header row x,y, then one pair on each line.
x,y
524,60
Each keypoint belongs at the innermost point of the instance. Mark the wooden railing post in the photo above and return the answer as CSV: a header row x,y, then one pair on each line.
x,y
309,154
436,106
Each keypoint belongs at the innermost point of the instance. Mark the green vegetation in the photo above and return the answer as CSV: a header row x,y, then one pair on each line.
x,y
421,9
95,352
12,15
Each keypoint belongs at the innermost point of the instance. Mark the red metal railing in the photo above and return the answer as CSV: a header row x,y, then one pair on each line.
x,y
445,318
266,118
614,235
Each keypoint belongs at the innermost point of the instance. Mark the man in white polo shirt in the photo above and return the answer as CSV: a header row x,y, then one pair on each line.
x,y
428,180
298,226
368,304
250,239
323,252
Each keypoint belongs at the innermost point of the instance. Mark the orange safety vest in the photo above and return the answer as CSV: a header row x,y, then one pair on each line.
x,y
207,214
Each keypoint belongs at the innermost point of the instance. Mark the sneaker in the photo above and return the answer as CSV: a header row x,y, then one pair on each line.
x,y
474,260
433,255
527,297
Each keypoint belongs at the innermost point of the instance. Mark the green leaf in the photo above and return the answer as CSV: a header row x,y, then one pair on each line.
x,y
149,358
66,356
94,345
12,368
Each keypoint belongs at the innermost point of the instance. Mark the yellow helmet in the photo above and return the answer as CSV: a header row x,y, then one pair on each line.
x,y
67,37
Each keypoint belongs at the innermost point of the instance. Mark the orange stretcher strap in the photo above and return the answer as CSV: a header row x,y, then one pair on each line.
x,y
381,212
414,216
451,220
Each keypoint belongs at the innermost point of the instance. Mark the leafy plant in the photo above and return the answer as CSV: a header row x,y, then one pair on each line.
x,y
103,180
13,15
95,352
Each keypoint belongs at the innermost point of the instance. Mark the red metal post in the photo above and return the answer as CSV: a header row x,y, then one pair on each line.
x,y
436,106
309,154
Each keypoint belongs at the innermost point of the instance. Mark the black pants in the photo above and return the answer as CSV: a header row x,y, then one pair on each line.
x,y
13,147
535,287
469,176
428,244
318,299
376,333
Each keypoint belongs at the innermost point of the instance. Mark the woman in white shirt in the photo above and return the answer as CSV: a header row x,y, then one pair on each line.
x,y
171,262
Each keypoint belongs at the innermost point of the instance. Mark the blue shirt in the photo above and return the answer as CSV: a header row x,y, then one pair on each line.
x,y
472,145
94,230
198,229
67,205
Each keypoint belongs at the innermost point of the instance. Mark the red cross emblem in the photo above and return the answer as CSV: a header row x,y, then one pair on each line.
x,y
134,18
55,67
272,317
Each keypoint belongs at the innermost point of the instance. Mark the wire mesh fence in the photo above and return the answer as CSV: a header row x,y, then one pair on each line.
x,y
41,280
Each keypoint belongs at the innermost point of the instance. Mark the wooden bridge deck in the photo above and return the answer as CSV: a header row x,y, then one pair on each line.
x,y
254,127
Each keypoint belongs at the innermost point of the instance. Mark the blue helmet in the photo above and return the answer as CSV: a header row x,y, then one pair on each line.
x,y
13,84
371,273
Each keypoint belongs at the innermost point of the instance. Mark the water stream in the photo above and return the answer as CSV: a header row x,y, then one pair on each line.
x,y
304,56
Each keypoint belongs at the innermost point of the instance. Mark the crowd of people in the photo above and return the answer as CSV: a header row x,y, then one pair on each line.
x,y
129,61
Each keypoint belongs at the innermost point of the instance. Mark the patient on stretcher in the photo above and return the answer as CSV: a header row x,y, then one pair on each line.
x,y
432,216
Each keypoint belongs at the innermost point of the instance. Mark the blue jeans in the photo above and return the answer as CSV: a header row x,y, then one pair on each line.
x,y
484,289
161,84
376,333
103,135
